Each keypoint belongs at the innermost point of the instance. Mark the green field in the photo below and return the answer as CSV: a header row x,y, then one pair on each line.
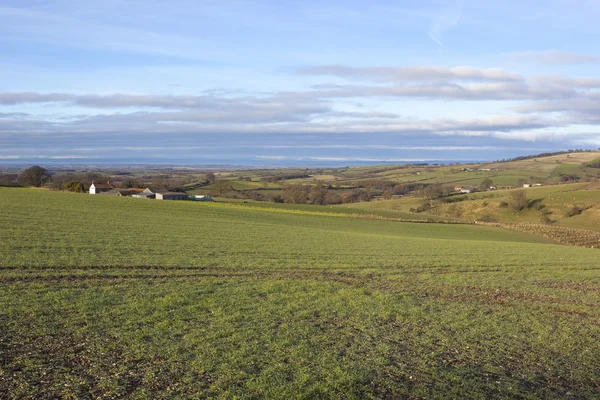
x,y
106,297
357,210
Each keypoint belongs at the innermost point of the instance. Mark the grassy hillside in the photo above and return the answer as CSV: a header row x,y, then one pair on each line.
x,y
127,298
356,211
46,229
552,203
502,173
548,164
351,184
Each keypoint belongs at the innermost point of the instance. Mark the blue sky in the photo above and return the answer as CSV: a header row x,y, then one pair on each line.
x,y
272,82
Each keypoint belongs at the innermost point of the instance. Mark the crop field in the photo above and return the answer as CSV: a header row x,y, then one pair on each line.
x,y
355,211
106,297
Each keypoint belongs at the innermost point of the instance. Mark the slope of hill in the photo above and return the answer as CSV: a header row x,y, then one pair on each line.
x,y
550,163
110,297
575,205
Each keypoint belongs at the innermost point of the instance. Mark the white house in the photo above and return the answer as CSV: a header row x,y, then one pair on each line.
x,y
96,188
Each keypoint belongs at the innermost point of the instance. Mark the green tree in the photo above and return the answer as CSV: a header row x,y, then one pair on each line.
x,y
34,176
74,186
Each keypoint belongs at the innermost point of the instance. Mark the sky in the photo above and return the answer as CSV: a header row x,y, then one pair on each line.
x,y
268,82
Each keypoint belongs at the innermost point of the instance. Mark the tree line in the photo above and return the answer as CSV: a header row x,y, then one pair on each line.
x,y
37,176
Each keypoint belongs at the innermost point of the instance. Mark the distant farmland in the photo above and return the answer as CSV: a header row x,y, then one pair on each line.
x,y
127,298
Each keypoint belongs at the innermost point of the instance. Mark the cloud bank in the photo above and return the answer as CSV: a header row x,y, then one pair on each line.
x,y
530,108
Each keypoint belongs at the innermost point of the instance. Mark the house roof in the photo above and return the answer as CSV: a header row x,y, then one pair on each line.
x,y
102,185
110,192
173,193
123,192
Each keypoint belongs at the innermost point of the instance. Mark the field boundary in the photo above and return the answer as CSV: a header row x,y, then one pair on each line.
x,y
560,234
334,214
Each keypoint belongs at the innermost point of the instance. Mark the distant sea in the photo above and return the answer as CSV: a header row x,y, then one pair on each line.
x,y
214,164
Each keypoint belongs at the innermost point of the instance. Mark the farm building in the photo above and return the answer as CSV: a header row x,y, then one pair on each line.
x,y
118,192
198,197
171,196
463,189
144,195
96,188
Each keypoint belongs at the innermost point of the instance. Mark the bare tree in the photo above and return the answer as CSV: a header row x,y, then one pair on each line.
x,y
518,200
485,184
8,180
318,194
220,188
296,194
34,176
333,197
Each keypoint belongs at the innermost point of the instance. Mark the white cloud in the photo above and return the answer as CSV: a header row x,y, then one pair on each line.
x,y
539,102
413,73
554,57
345,159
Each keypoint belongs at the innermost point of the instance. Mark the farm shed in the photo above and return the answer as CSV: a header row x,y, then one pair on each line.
x,y
96,188
171,196
463,189
144,195
118,192
198,197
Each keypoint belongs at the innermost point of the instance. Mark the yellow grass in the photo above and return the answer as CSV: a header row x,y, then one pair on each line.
x,y
547,164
